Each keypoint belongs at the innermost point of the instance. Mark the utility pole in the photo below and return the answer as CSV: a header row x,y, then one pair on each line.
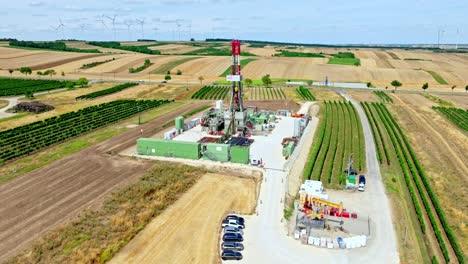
x,y
139,115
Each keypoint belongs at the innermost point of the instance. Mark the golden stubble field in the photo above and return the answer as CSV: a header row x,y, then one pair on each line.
x,y
192,224
379,66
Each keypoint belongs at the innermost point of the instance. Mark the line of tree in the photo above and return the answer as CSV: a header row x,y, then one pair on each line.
x,y
53,45
117,45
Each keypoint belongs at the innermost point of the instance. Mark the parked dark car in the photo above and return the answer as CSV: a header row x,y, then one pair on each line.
x,y
362,179
239,219
229,245
231,254
233,237
232,229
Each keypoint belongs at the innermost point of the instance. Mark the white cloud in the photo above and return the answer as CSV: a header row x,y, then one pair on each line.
x,y
36,3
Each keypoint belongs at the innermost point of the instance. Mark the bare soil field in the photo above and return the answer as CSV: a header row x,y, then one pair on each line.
x,y
274,105
42,199
74,66
42,60
378,66
198,213
174,48
8,53
323,95
266,51
364,96
460,101
208,66
442,150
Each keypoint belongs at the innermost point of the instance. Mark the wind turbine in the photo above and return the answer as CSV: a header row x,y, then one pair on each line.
x,y
190,30
142,23
155,33
102,22
113,22
458,38
61,26
439,36
178,27
129,24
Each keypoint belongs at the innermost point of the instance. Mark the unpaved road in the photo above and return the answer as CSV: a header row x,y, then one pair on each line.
x,y
186,232
266,239
12,101
37,201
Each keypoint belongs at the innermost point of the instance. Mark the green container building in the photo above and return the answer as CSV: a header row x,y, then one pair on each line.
x,y
240,154
215,152
168,148
288,149
179,122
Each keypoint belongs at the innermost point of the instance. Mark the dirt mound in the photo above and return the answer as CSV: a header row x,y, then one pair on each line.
x,y
32,107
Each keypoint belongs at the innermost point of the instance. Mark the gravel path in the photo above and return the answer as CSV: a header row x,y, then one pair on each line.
x,y
266,236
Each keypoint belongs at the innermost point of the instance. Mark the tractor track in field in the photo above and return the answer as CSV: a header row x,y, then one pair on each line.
x,y
45,198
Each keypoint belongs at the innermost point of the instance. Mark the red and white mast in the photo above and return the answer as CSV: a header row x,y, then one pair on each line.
x,y
236,77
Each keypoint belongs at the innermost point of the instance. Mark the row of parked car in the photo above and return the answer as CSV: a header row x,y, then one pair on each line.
x,y
233,231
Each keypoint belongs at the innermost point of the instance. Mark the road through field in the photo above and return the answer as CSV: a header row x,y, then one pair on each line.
x,y
40,200
266,239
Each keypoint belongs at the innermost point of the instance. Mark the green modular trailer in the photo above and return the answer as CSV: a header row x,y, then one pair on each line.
x,y
240,154
216,152
179,122
288,149
168,148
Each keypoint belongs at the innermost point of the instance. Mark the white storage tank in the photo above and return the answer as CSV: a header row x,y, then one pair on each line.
x,y
297,127
219,104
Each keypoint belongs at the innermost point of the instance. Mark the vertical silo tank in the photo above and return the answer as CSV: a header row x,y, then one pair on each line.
x,y
179,122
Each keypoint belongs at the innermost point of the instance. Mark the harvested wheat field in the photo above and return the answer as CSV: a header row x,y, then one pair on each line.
x,y
364,96
8,53
266,51
442,149
459,101
192,224
41,60
174,48
207,66
74,66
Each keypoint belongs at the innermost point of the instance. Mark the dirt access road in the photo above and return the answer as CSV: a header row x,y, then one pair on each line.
x,y
37,201
187,231
266,239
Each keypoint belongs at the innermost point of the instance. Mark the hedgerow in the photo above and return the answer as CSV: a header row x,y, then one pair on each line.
x,y
111,90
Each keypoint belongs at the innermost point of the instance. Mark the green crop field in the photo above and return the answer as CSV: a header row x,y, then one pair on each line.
x,y
384,97
305,94
111,90
260,93
163,69
345,61
286,53
457,116
437,77
33,137
211,93
391,142
244,62
9,86
338,136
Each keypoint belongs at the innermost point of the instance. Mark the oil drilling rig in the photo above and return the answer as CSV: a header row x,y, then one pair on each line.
x,y
235,117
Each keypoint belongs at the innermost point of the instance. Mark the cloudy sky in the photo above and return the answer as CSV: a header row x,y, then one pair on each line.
x,y
304,21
